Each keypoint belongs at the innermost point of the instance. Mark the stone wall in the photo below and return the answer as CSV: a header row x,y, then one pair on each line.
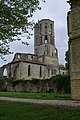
x,y
60,83
75,89
33,86
74,47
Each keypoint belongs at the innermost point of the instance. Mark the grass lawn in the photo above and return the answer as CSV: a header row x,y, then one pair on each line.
x,y
47,96
26,111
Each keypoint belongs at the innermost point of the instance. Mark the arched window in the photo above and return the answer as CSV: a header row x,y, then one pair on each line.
x,y
45,25
29,70
63,73
54,71
55,51
46,39
18,56
5,73
40,71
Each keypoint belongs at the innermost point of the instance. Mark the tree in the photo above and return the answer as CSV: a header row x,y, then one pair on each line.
x,y
14,20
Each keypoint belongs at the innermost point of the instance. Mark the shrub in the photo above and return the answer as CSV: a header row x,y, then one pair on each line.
x,y
62,83
34,81
16,82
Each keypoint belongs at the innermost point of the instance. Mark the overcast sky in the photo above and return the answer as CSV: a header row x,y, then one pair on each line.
x,y
55,10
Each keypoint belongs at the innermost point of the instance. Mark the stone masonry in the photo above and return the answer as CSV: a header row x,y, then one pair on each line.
x,y
74,46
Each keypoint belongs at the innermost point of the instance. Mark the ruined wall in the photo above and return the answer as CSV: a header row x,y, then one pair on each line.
x,y
54,84
24,57
34,71
33,86
8,69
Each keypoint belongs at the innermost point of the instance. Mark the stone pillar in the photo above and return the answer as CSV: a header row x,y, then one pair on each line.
x,y
74,46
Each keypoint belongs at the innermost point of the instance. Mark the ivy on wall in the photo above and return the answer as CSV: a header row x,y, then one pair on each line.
x,y
62,82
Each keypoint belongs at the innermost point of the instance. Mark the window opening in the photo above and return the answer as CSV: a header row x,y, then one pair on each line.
x,y
63,73
54,71
55,50
18,56
40,71
28,70
5,74
45,25
46,39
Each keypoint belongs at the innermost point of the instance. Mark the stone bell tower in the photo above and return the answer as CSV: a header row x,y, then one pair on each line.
x,y
44,43
74,46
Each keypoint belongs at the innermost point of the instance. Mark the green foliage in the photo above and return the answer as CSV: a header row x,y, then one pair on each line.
x,y
62,83
5,78
16,82
34,81
66,84
26,111
14,21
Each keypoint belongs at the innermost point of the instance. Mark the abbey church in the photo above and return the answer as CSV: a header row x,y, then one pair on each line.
x,y
43,63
